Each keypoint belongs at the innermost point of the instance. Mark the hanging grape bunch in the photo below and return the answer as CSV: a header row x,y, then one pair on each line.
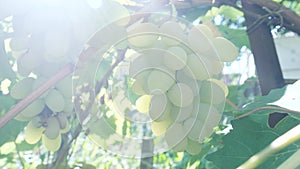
x,y
46,37
175,74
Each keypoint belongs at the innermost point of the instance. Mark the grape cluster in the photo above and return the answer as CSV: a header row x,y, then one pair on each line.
x,y
47,36
174,72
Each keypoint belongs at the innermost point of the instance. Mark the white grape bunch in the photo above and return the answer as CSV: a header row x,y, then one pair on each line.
x,y
174,75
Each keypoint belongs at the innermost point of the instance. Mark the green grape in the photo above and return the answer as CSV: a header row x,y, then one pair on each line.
x,y
62,119
18,43
103,127
65,87
51,144
116,12
160,107
196,68
37,121
53,127
179,114
159,81
142,104
138,87
205,30
181,95
193,147
176,138
143,35
198,39
55,101
181,77
109,35
212,93
193,127
29,62
34,108
226,50
144,62
21,117
33,134
175,58
22,88
172,33
159,128
202,126
213,28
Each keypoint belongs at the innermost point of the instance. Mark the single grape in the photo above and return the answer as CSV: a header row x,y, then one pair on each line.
x,y
181,77
143,35
116,12
198,39
181,95
142,104
159,128
176,137
52,127
159,81
212,93
34,108
160,107
51,144
193,147
22,88
172,33
33,134
55,101
226,50
138,87
175,58
196,68
179,114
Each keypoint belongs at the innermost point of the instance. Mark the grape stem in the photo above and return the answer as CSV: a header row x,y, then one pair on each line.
x,y
278,144
281,109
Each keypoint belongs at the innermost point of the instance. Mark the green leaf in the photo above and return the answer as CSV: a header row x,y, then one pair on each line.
x,y
249,137
10,131
6,102
194,13
230,12
5,68
24,146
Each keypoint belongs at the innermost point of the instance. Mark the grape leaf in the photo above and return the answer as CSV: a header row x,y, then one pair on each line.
x,y
10,131
249,137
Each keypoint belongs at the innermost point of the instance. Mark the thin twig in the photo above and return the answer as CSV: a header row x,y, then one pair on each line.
x,y
232,104
267,108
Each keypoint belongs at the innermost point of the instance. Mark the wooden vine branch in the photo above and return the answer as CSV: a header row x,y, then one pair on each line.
x,y
291,20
